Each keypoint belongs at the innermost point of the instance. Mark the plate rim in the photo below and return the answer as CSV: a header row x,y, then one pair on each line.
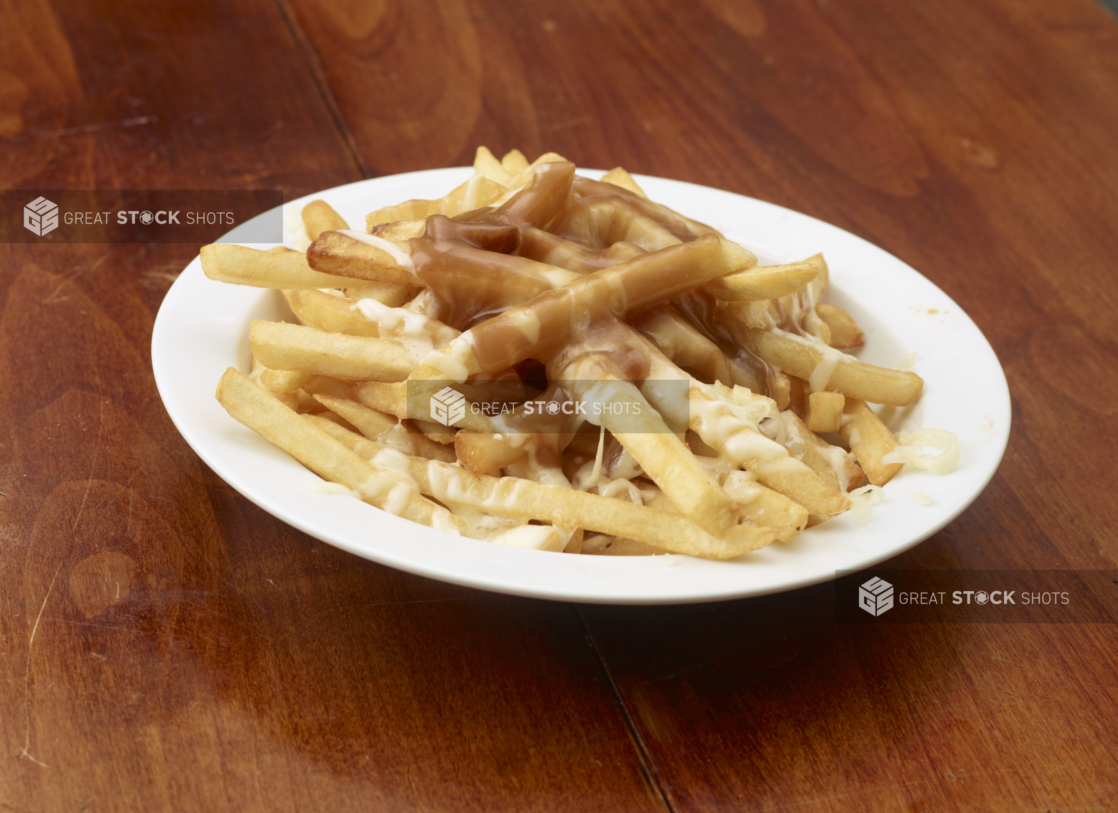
x,y
188,428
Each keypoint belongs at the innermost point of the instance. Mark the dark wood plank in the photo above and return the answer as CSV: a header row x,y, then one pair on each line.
x,y
165,644
973,140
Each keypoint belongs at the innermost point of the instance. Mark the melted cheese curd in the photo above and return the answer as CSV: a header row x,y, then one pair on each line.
x,y
529,266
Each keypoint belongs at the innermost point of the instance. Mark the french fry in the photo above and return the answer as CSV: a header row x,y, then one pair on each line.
x,y
338,314
761,315
573,286
349,255
325,456
628,416
319,216
728,427
326,385
514,533
388,431
845,332
778,386
518,182
792,312
514,163
332,417
542,199
870,440
537,471
822,278
606,545
283,381
855,379
679,225
850,474
487,165
683,343
746,368
538,325
400,230
383,292
760,505
750,372
478,191
799,442
758,455
517,533
224,262
523,499
393,398
329,312
619,177
305,403
435,432
482,453
305,349
513,438
765,507
531,537
824,411
551,249
617,221
485,281
763,282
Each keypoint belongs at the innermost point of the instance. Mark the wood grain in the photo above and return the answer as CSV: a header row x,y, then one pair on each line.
x,y
167,646
974,141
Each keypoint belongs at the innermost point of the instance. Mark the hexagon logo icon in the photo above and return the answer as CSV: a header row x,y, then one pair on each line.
x,y
40,216
875,596
448,406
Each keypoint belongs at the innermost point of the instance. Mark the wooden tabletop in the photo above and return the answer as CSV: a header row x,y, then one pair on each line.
x,y
169,646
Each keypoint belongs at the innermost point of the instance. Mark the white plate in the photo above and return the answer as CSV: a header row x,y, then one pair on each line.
x,y
202,328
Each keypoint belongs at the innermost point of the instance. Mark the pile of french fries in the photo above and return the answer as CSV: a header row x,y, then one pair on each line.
x,y
527,275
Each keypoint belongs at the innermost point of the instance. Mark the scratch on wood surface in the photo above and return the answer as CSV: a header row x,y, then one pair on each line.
x,y
120,627
860,792
395,603
123,628
26,753
678,672
96,458
81,129
53,297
